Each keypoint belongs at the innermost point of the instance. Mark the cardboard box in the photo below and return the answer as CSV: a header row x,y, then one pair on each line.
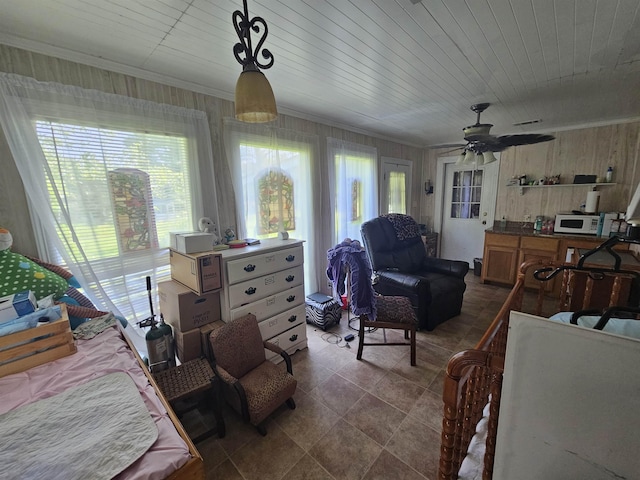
x,y
199,272
185,310
205,331
17,305
191,242
188,344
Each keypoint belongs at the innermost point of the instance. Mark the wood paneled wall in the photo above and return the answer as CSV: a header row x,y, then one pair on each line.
x,y
14,213
586,151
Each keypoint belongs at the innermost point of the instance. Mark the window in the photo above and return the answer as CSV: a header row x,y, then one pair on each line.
x,y
272,173
107,177
396,185
354,185
124,191
466,194
274,181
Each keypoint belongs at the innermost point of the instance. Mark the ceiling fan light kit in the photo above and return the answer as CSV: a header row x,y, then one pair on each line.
x,y
480,140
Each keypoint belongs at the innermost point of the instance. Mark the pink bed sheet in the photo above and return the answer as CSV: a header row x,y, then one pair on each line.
x,y
106,353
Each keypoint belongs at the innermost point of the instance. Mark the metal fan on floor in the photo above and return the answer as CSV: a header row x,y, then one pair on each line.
x,y
481,144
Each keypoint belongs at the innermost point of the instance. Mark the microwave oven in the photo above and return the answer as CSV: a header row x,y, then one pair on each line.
x,y
572,223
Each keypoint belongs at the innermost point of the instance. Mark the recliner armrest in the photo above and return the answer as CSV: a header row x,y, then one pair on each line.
x,y
391,282
457,268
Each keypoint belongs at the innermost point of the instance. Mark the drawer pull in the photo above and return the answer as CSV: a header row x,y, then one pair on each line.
x,y
250,290
290,278
290,258
293,338
291,298
249,268
293,318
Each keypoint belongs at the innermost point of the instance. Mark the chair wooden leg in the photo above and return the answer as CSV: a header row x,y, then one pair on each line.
x,y
360,338
261,429
413,347
291,403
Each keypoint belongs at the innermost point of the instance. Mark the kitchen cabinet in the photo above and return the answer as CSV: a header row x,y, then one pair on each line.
x,y
500,259
267,280
538,248
505,252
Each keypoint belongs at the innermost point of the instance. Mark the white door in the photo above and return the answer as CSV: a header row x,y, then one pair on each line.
x,y
466,208
396,185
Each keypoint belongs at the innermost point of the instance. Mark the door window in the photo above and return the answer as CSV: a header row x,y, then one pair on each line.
x,y
466,194
396,187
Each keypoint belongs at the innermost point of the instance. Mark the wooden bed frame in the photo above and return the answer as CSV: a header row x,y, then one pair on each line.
x,y
474,377
194,468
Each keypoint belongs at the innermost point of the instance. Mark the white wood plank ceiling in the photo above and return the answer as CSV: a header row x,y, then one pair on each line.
x,y
400,69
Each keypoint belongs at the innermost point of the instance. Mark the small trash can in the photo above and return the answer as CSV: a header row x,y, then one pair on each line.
x,y
477,266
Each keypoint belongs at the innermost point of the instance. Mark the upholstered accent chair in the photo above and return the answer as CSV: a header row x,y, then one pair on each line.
x,y
254,386
349,270
435,286
392,312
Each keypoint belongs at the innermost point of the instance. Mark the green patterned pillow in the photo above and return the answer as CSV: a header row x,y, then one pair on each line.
x,y
18,273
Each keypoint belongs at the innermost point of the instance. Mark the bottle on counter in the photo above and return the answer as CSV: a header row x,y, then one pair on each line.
x,y
609,175
537,226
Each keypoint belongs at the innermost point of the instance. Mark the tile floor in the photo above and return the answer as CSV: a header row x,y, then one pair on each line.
x,y
378,418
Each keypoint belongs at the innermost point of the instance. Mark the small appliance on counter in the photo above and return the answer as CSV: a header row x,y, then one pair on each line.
x,y
605,223
576,223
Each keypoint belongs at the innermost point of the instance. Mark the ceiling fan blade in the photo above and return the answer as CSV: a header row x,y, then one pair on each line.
x,y
523,139
460,147
447,145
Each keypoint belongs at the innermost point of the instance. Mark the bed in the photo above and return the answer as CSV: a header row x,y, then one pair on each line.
x,y
473,383
110,361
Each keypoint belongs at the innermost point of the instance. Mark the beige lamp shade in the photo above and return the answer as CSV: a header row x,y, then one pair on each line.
x,y
469,157
489,157
255,102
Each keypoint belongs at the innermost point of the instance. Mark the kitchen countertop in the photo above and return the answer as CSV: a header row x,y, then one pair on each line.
x,y
525,229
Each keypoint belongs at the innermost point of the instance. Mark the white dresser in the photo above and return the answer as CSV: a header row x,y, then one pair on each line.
x,y
267,280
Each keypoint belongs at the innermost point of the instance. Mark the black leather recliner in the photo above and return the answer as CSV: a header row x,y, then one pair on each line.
x,y
398,258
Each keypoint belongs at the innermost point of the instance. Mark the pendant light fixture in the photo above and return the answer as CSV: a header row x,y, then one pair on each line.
x,y
254,100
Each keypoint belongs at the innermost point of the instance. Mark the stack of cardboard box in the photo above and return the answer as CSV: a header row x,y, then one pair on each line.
x,y
192,317
190,301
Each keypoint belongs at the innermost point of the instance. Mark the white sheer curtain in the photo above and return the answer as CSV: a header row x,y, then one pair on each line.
x,y
353,186
266,158
70,144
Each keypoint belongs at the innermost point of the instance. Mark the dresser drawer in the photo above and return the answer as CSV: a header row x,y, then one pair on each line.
x,y
273,305
263,264
279,323
257,288
290,341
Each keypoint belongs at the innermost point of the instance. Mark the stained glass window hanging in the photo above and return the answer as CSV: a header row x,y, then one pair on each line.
x,y
276,202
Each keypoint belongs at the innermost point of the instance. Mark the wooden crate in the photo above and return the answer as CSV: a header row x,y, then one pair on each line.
x,y
21,351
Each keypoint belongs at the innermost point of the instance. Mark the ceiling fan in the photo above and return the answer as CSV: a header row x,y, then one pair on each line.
x,y
481,144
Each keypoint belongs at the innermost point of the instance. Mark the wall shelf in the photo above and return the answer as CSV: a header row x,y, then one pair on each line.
x,y
558,185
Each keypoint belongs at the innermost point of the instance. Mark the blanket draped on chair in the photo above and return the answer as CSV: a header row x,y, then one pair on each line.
x,y
404,226
349,255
